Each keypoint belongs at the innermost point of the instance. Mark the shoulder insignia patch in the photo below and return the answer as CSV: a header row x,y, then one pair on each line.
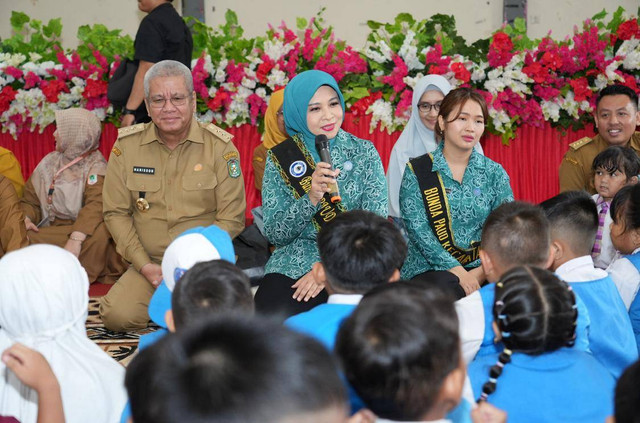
x,y
219,132
258,159
572,161
130,130
580,143
230,155
115,150
233,165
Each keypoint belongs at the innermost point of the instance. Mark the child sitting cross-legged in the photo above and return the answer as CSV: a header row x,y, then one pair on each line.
x,y
538,376
613,168
574,222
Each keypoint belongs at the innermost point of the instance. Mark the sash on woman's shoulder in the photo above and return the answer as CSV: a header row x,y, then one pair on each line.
x,y
437,207
295,164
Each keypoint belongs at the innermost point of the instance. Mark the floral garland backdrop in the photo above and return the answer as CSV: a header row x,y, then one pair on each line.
x,y
523,80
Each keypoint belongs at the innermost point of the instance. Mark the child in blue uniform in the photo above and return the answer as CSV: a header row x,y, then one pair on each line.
x,y
515,234
574,222
538,376
627,401
400,351
359,250
625,236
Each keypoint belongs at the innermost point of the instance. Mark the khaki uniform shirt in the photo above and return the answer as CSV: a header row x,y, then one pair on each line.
x,y
198,183
575,170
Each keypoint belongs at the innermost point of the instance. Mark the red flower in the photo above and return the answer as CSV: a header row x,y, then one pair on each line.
x,y
95,88
629,81
581,89
551,60
51,89
461,72
500,50
6,97
264,68
537,72
628,29
221,99
360,107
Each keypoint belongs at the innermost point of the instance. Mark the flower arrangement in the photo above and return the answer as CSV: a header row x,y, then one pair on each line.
x,y
523,80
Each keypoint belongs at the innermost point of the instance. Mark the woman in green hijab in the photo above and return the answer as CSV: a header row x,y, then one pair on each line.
x,y
296,186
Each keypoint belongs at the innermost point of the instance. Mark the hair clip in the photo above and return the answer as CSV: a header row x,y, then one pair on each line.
x,y
502,316
499,303
493,380
570,289
574,306
507,351
506,334
500,364
500,285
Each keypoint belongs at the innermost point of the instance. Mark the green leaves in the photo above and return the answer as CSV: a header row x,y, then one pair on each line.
x,y
110,43
30,36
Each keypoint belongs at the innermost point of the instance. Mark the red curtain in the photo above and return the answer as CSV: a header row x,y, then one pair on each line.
x,y
531,159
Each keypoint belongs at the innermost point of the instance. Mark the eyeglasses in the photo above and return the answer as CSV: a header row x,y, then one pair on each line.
x,y
159,103
426,107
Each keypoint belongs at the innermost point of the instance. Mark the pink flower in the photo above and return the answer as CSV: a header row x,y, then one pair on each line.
x,y
311,44
257,107
437,61
403,109
13,71
100,59
31,80
199,77
396,78
546,93
235,73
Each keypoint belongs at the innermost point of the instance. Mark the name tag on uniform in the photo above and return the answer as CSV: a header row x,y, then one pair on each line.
x,y
144,170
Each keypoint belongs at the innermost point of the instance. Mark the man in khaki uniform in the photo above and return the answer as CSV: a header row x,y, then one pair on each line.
x,y
616,118
163,178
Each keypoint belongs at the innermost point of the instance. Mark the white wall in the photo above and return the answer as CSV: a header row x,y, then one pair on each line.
x,y
475,18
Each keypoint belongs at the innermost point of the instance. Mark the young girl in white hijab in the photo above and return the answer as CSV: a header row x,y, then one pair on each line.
x,y
417,137
44,305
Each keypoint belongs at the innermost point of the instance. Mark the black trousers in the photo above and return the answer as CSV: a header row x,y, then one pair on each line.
x,y
445,280
274,298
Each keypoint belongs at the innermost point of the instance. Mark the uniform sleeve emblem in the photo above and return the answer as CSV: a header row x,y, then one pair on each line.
x,y
115,150
233,165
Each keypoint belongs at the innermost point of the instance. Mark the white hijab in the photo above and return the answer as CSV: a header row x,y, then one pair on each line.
x,y
44,305
415,140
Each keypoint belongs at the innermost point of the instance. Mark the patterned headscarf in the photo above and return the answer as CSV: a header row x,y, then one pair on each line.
x,y
297,95
78,133
272,134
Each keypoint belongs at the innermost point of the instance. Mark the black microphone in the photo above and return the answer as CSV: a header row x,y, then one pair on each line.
x,y
322,146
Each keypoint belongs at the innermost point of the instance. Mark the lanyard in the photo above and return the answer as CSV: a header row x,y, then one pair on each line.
x,y
63,168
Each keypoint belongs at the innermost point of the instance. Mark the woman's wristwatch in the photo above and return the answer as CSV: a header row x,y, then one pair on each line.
x,y
126,111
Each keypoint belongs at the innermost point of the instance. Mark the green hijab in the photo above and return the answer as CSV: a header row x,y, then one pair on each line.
x,y
297,95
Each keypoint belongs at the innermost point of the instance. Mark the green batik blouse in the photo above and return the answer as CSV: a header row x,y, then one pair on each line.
x,y
287,221
485,185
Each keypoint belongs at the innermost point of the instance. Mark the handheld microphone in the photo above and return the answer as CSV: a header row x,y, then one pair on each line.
x,y
322,146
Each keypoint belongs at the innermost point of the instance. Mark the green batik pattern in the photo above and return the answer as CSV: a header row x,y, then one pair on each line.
x,y
288,221
485,185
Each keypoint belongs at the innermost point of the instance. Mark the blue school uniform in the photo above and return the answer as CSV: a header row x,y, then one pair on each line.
x,y
610,335
488,294
634,308
565,385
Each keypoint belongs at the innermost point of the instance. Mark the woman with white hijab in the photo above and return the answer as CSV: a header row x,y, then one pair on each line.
x,y
417,137
44,305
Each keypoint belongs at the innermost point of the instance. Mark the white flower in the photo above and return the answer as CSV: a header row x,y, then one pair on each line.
x,y
601,81
248,83
610,71
262,93
374,55
385,50
276,49
411,82
277,78
550,110
206,117
382,113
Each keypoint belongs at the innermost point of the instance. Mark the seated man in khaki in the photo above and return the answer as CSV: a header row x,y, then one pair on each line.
x,y
163,178
616,118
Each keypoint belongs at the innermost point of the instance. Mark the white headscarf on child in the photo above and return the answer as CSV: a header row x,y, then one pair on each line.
x,y
416,139
44,305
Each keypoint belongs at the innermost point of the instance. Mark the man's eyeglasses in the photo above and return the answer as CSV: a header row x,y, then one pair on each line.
x,y
426,107
159,103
